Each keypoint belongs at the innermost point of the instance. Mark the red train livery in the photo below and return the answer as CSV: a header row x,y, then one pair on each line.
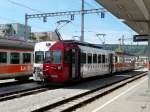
x,y
72,60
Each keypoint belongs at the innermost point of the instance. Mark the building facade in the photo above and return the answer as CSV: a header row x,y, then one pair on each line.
x,y
14,30
45,36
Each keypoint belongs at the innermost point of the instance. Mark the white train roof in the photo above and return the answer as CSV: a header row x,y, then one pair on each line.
x,y
43,46
15,44
88,49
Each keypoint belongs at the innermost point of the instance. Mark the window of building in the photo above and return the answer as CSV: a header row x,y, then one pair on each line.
x,y
14,58
3,57
83,58
94,58
89,58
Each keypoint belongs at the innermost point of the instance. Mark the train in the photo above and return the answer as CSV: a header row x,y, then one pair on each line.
x,y
70,60
16,59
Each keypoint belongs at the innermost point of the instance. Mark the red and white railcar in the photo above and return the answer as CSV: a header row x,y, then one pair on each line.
x,y
62,61
16,59
72,60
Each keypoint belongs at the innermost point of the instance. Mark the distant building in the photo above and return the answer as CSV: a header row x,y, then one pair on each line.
x,y
14,30
45,36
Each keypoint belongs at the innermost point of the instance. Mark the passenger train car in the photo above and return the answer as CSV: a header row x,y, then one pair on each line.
x,y
124,62
62,61
16,59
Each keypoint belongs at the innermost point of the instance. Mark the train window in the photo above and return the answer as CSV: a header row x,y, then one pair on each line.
x,y
106,59
56,57
39,56
3,57
26,58
89,58
83,58
103,58
94,58
47,57
67,57
14,58
99,58
116,59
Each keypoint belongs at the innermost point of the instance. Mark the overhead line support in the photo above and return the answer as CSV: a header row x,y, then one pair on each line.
x,y
67,13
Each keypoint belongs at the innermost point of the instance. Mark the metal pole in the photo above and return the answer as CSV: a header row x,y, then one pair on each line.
x,y
104,44
149,59
82,23
123,43
26,23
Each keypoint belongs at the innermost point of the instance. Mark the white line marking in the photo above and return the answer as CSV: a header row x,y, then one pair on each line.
x,y
123,93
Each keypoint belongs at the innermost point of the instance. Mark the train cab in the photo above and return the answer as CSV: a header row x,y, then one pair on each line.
x,y
62,65
41,50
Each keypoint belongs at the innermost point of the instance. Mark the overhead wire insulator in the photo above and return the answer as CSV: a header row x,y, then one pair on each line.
x,y
72,17
102,14
44,19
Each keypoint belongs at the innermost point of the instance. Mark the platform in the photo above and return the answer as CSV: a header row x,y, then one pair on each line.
x,y
134,97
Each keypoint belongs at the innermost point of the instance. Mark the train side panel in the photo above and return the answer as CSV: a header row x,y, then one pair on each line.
x,y
16,63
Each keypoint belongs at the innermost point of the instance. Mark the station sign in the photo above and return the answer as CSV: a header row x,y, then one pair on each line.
x,y
140,38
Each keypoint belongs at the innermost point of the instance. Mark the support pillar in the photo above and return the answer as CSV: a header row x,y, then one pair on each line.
x,y
26,24
82,23
149,58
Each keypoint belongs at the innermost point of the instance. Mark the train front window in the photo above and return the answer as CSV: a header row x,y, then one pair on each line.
x,y
56,57
39,57
47,57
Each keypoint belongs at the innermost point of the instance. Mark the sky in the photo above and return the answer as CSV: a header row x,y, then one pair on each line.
x,y
13,11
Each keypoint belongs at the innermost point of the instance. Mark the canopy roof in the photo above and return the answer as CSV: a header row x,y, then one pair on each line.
x,y
134,13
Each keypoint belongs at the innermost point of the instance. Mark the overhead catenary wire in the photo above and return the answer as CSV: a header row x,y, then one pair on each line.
x,y
24,6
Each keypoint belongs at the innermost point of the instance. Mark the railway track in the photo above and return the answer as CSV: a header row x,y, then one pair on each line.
x,y
16,89
24,89
74,102
13,82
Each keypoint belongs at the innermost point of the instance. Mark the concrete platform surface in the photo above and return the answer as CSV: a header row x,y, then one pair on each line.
x,y
133,97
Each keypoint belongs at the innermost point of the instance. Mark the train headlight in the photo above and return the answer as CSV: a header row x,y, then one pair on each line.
x,y
59,68
41,72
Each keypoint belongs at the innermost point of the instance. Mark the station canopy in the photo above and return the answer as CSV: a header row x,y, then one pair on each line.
x,y
134,13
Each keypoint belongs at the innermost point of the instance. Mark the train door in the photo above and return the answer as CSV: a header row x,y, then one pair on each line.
x,y
75,63
111,67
